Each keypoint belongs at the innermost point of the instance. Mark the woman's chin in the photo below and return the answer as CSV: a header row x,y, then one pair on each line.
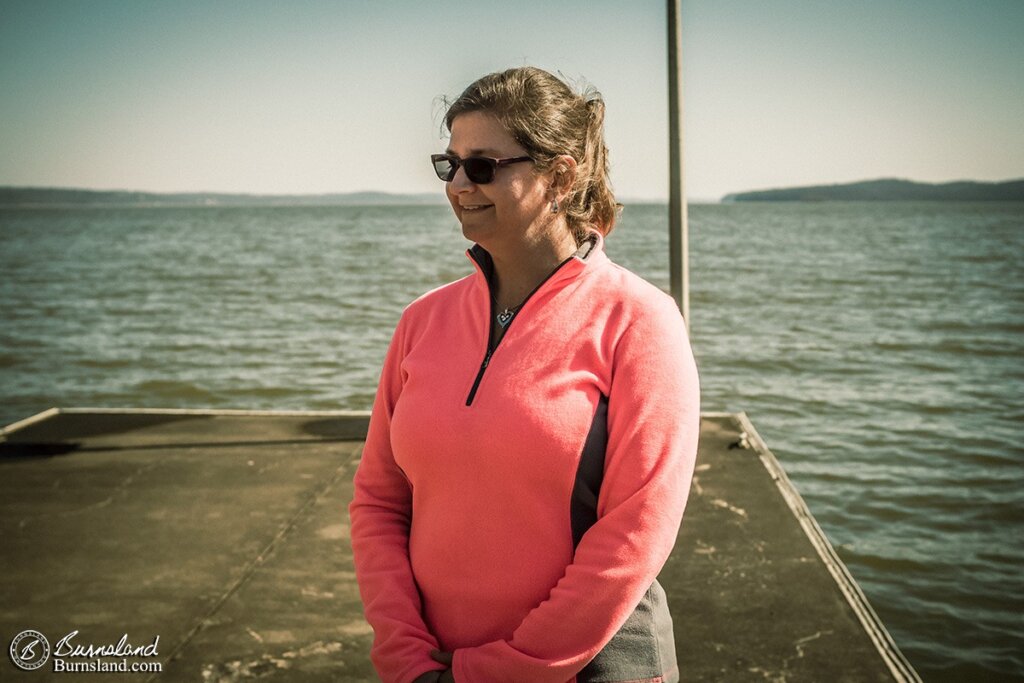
x,y
474,229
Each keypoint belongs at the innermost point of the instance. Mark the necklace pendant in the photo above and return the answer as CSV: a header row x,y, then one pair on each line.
x,y
505,317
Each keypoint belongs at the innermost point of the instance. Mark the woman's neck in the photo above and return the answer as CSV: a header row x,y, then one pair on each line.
x,y
521,266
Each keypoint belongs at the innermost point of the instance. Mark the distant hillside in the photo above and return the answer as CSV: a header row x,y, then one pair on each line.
x,y
890,189
45,196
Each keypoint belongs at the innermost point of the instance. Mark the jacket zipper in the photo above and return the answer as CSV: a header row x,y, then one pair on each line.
x,y
487,357
490,330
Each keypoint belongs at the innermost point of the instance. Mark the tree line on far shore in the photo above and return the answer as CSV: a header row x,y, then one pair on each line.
x,y
890,189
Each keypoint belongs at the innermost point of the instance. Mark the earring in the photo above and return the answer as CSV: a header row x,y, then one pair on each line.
x,y
554,205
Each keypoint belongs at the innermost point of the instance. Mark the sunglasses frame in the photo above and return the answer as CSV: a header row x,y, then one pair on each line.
x,y
456,162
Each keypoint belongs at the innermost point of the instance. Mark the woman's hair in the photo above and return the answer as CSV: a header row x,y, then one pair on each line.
x,y
548,119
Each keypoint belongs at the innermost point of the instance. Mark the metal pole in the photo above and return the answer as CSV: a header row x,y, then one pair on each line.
x,y
678,242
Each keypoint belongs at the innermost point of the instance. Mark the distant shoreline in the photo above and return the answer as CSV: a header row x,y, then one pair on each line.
x,y
888,190
30,197
60,197
871,190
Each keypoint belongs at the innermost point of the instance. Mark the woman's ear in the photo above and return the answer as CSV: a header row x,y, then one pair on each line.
x,y
563,174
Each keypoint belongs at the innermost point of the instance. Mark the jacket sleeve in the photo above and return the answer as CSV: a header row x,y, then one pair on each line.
x,y
653,425
381,512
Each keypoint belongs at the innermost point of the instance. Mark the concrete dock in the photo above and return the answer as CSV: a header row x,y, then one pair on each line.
x,y
225,535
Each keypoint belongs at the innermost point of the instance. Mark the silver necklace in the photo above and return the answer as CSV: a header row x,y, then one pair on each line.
x,y
505,316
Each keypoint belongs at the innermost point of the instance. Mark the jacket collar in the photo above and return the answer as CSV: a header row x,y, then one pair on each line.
x,y
589,256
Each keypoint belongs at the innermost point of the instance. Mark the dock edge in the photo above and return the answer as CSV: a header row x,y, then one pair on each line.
x,y
898,664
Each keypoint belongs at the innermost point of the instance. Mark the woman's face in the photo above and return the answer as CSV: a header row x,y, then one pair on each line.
x,y
507,207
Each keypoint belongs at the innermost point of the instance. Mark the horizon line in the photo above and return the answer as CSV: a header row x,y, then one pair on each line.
x,y
432,197
296,195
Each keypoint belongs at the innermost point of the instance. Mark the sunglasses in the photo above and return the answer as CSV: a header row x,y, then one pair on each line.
x,y
479,170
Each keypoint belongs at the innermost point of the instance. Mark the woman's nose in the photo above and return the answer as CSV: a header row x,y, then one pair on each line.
x,y
460,182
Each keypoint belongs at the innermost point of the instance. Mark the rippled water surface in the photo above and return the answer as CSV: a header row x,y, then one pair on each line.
x,y
878,348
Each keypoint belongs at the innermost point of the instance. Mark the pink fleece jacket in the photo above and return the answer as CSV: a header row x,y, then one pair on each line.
x,y
466,515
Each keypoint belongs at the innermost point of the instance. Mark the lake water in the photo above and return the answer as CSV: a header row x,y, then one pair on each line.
x,y
878,348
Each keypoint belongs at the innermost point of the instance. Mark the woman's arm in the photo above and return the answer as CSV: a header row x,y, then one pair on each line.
x,y
381,512
653,425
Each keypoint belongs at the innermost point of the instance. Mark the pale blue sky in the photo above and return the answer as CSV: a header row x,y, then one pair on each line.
x,y
309,97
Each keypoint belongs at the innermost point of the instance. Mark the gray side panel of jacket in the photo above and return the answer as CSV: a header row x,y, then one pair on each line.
x,y
644,648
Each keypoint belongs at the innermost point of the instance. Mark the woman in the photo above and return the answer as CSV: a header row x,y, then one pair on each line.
x,y
534,432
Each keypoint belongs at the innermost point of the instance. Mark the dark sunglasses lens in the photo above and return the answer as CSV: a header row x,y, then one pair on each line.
x,y
478,170
444,168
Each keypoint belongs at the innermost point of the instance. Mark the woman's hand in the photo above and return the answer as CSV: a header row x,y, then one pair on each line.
x,y
428,677
446,659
